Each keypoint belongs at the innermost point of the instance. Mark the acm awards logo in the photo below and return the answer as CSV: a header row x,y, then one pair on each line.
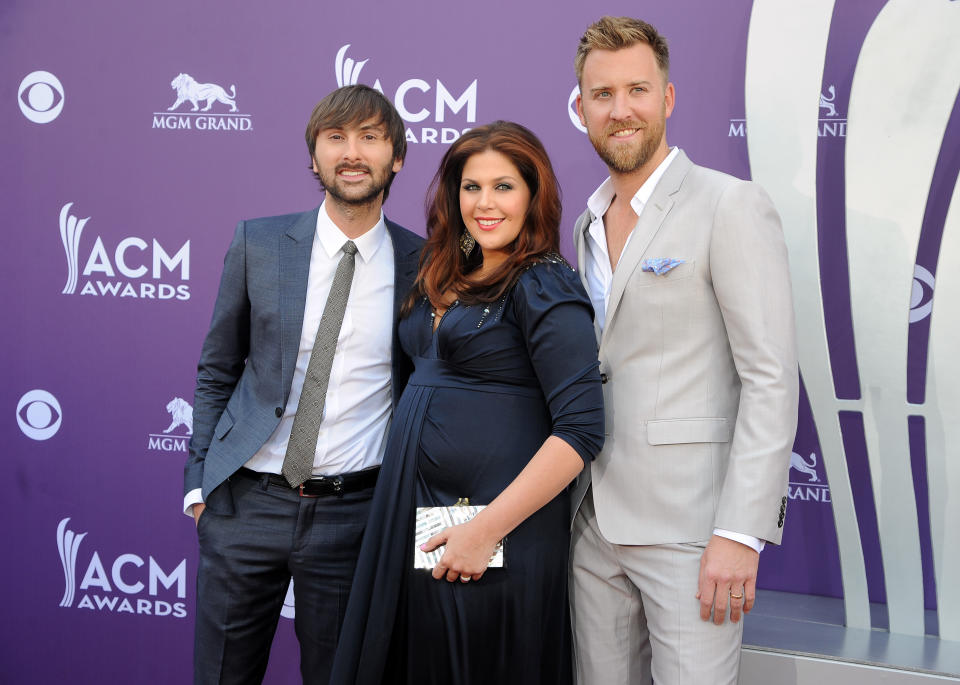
x,y
226,117
414,102
130,268
40,97
176,436
131,586
39,415
830,125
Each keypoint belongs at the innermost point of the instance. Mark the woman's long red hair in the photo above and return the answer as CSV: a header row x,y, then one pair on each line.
x,y
443,266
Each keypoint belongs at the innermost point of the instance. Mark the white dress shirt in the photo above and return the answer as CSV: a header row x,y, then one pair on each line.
x,y
599,272
358,403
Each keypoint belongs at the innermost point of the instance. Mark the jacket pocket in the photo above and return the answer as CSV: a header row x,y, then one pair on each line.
x,y
680,272
679,431
223,426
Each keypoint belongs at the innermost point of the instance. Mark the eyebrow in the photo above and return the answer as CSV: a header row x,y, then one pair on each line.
x,y
379,127
643,82
465,179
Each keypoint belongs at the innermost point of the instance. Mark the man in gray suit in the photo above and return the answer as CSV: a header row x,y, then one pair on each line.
x,y
295,387
687,271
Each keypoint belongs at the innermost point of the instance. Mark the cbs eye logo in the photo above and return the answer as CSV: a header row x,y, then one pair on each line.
x,y
39,415
572,109
40,97
921,295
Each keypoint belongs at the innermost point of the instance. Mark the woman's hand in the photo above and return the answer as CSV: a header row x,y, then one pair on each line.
x,y
468,551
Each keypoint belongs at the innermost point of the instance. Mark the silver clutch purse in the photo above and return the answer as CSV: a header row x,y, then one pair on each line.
x,y
432,520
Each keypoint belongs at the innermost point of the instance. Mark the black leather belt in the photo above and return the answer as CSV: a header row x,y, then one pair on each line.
x,y
321,486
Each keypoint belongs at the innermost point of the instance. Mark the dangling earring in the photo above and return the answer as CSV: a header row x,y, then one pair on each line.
x,y
467,242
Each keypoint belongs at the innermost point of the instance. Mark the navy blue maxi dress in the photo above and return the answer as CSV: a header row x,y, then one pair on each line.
x,y
489,386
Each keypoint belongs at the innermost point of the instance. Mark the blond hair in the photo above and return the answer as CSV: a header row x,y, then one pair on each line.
x,y
615,33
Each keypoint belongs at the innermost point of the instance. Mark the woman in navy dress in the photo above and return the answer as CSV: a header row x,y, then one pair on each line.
x,y
504,407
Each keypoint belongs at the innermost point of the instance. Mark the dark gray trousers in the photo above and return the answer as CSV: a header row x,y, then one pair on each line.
x,y
246,563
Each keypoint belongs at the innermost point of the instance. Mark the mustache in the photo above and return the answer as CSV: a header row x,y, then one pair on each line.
x,y
623,126
351,167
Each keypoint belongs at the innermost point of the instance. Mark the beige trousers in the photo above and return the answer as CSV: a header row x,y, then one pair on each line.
x,y
636,618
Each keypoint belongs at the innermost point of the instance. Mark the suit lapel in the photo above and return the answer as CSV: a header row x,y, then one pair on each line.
x,y
406,253
296,245
649,223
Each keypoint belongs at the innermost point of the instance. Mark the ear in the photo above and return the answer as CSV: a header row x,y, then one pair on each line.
x,y
669,99
397,165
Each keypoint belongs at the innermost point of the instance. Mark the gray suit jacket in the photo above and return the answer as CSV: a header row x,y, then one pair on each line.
x,y
248,358
701,392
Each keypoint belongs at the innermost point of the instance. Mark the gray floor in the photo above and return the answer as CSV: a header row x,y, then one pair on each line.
x,y
813,626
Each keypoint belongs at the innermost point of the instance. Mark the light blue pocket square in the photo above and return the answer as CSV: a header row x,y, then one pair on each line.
x,y
660,265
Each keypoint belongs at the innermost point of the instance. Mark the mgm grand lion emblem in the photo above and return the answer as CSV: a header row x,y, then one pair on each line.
x,y
188,89
181,414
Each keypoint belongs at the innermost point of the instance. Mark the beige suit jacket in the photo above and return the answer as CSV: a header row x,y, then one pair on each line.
x,y
700,364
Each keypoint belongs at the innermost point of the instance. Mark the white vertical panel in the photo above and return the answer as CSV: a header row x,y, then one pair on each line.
x,y
943,425
902,94
786,47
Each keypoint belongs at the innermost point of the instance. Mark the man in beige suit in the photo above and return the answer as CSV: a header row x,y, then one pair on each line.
x,y
687,271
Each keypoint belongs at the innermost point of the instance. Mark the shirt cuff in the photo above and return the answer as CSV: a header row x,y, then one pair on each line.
x,y
756,544
191,498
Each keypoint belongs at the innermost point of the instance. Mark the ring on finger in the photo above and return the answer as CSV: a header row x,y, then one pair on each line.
x,y
464,579
733,596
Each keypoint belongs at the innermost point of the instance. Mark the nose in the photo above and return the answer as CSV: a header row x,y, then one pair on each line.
x,y
485,201
620,108
352,149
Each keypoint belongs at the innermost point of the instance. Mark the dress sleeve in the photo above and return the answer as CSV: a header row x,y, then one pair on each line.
x,y
556,319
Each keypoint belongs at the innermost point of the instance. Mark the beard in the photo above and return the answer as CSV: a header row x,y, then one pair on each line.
x,y
356,194
626,158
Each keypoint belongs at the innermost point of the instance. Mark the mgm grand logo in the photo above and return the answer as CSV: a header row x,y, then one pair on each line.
x,y
176,436
190,91
830,124
806,483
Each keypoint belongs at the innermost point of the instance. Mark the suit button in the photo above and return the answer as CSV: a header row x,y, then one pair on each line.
x,y
603,379
278,411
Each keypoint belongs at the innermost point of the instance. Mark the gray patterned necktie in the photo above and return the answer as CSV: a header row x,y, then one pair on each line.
x,y
298,461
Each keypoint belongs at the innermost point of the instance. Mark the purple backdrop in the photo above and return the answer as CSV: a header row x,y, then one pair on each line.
x,y
108,595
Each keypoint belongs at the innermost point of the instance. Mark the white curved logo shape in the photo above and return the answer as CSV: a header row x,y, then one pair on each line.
x,y
70,230
890,156
68,544
348,71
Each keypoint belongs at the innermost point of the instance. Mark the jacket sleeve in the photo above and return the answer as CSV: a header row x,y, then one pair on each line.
x,y
556,317
751,280
222,357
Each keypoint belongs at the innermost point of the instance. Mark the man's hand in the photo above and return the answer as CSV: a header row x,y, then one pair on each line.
x,y
197,510
728,571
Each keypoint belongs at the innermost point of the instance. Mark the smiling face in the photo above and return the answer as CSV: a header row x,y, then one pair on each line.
x,y
625,102
355,163
494,200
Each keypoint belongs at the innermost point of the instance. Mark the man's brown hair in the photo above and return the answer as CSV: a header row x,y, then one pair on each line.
x,y
351,106
616,33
